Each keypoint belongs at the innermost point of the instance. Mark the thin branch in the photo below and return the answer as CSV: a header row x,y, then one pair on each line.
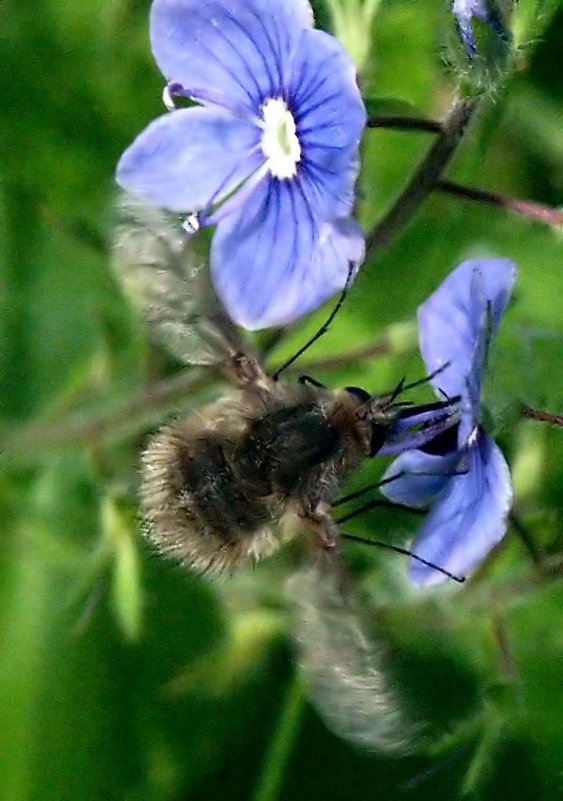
x,y
131,413
507,661
397,123
543,417
82,426
534,211
526,538
425,177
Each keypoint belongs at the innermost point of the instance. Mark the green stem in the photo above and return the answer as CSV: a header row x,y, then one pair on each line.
x,y
280,748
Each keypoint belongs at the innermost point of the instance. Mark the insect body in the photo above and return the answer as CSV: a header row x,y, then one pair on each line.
x,y
226,484
229,482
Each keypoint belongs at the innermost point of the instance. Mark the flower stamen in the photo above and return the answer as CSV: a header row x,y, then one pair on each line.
x,y
280,143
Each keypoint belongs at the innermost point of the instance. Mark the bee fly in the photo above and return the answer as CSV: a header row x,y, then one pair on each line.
x,y
227,484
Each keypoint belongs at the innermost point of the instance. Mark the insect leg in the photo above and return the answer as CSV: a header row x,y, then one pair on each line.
x,y
378,484
306,379
323,530
383,503
403,387
352,495
377,502
404,552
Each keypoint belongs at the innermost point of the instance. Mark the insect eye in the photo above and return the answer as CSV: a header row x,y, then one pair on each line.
x,y
378,434
359,393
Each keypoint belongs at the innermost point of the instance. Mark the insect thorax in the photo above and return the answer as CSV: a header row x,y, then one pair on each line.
x,y
214,483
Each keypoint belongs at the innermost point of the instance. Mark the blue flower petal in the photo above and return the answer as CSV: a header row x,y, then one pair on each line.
x,y
470,517
273,260
323,95
323,92
234,48
182,159
464,11
416,428
329,187
484,10
451,320
418,478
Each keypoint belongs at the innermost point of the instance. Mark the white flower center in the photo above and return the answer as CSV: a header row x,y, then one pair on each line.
x,y
280,144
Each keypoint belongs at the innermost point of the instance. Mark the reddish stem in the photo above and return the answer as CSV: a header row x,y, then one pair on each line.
x,y
534,211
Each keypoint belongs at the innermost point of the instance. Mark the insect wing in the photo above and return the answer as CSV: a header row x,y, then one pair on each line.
x,y
343,668
161,272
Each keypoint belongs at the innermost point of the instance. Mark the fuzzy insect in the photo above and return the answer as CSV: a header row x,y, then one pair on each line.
x,y
227,484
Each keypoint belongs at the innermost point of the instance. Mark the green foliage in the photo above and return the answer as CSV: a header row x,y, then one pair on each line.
x,y
123,677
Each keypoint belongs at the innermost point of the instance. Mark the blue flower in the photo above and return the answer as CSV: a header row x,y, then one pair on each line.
x,y
484,10
466,482
269,154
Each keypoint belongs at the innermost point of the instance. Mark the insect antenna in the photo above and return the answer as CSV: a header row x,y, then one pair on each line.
x,y
403,552
323,329
403,387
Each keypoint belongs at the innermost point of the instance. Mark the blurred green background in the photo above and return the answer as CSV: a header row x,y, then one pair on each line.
x,y
124,677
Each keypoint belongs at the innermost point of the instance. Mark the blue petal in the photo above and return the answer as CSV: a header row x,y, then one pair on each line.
x,y
497,278
465,31
323,94
465,10
418,478
273,260
469,519
451,321
330,186
184,157
415,428
236,49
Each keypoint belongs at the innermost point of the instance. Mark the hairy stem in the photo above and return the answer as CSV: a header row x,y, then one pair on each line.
x,y
542,417
425,178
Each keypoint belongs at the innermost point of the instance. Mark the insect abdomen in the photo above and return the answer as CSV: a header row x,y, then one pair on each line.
x,y
195,506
